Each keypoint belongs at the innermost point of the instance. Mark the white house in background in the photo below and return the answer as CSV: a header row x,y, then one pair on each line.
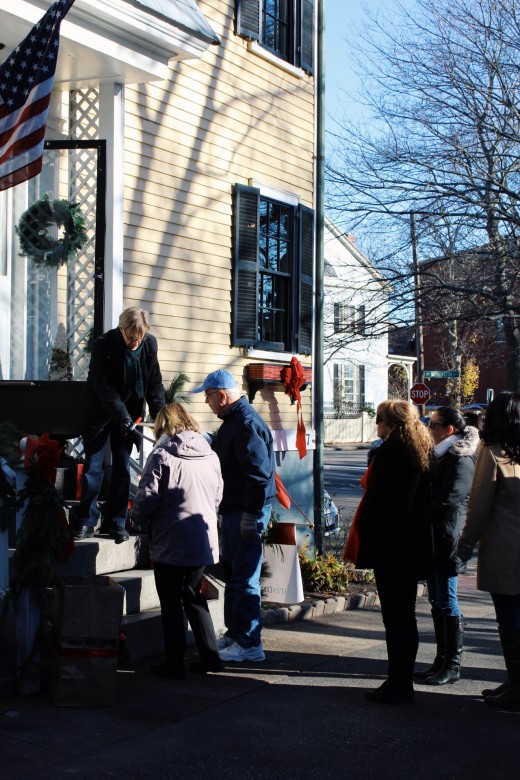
x,y
355,339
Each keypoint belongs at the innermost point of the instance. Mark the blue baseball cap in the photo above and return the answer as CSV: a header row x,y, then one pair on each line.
x,y
217,380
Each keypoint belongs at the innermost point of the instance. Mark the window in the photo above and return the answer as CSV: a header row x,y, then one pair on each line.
x,y
285,27
273,264
349,319
349,385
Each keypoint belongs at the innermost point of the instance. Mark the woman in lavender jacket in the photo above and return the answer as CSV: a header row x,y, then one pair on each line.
x,y
176,501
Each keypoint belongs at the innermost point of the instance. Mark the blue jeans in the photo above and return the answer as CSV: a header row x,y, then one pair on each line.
x,y
507,610
88,511
242,562
442,592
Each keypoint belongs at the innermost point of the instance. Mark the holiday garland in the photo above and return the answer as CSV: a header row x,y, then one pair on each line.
x,y
35,241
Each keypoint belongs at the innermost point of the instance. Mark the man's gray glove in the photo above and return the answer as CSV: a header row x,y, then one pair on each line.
x,y
249,528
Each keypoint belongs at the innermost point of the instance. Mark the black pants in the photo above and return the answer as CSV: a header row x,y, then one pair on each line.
x,y
397,591
178,588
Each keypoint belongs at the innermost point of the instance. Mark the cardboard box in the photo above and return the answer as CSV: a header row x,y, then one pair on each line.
x,y
83,678
87,611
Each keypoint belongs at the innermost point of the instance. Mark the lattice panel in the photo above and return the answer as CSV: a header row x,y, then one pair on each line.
x,y
84,125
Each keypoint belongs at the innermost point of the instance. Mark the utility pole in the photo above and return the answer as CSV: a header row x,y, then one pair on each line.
x,y
318,287
419,345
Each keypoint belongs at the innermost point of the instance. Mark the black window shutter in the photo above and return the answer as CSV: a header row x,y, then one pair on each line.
x,y
307,35
245,265
306,249
248,18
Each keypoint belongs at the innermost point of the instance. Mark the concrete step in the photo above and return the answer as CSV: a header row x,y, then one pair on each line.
x,y
140,590
144,630
101,555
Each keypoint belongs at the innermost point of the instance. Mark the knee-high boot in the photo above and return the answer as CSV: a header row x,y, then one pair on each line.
x,y
438,624
450,670
509,698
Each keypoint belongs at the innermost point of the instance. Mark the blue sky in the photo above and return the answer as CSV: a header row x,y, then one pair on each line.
x,y
341,17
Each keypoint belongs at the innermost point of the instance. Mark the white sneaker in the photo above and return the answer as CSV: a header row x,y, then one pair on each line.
x,y
224,641
239,654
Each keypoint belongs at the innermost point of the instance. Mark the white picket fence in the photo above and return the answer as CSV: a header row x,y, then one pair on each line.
x,y
358,430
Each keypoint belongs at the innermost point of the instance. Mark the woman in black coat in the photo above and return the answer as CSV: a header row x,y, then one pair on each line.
x,y
123,375
455,448
395,537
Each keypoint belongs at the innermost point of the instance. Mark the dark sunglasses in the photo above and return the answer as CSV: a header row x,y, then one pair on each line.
x,y
432,424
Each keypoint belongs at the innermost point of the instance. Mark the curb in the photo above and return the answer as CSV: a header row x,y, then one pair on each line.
x,y
308,610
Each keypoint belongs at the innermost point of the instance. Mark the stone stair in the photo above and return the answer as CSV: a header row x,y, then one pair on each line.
x,y
129,565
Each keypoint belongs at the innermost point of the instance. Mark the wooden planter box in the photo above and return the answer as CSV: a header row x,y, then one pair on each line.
x,y
260,374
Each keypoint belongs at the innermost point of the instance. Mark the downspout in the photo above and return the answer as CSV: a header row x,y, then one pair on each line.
x,y
318,288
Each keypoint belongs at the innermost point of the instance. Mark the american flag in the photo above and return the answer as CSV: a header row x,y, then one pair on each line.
x,y
26,79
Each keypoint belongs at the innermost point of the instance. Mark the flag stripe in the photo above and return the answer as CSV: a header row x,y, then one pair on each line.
x,y
27,142
24,173
36,113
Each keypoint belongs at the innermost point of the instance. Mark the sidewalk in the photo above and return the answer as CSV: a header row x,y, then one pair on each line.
x,y
301,714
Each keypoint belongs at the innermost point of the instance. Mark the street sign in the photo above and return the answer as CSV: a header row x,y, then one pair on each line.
x,y
454,374
420,394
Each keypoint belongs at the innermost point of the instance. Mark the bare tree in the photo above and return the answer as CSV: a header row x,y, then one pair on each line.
x,y
441,83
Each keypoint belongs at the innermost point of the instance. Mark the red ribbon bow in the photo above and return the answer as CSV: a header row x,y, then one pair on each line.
x,y
293,378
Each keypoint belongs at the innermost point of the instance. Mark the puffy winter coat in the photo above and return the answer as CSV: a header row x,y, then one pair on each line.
x,y
394,525
450,489
179,492
493,521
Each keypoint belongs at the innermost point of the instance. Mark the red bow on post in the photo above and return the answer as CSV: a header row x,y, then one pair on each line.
x,y
293,378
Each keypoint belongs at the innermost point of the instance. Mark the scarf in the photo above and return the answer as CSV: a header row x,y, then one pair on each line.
x,y
133,370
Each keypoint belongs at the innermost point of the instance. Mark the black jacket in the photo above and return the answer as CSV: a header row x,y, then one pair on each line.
x,y
108,397
244,445
451,486
394,525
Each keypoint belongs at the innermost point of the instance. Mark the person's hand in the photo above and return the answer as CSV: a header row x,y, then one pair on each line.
x,y
249,528
464,551
127,426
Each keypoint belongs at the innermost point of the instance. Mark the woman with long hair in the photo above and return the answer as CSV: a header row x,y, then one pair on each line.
x,y
494,522
455,449
177,498
395,537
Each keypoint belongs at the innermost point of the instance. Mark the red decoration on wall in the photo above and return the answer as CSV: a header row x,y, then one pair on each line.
x,y
293,378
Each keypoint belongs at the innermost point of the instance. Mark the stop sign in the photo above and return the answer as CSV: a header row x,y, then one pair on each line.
x,y
420,394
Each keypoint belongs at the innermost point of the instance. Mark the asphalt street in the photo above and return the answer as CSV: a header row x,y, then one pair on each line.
x,y
343,467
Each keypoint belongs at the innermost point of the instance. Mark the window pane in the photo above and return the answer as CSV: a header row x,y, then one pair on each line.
x,y
273,308
276,31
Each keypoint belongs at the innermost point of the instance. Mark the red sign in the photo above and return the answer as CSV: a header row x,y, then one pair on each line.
x,y
420,394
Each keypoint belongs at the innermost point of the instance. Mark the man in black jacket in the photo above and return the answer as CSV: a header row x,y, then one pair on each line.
x,y
244,445
124,373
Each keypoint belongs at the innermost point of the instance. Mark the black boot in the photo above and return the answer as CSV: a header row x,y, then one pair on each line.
x,y
438,624
509,698
450,670
495,691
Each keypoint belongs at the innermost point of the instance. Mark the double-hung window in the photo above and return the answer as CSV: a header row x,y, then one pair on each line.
x,y
285,27
349,319
273,269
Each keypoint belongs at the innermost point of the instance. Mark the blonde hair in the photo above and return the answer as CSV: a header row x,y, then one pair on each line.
x,y
172,419
135,320
403,417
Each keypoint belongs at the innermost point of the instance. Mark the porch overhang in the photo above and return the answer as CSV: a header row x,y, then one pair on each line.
x,y
121,41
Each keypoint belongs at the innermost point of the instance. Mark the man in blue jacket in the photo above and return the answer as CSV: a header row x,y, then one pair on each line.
x,y
123,376
244,445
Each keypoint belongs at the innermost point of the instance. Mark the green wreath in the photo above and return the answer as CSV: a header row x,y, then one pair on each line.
x,y
35,241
